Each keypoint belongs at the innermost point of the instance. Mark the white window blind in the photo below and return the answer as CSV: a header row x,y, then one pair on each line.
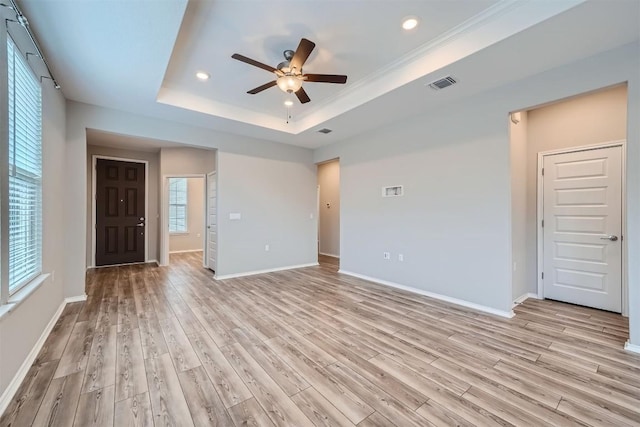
x,y
25,171
177,205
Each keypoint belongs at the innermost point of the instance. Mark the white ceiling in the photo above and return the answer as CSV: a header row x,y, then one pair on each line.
x,y
141,56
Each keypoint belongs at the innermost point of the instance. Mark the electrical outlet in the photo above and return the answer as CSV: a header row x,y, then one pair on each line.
x,y
400,257
386,255
266,248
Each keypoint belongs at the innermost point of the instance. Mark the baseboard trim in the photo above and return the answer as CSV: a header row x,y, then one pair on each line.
x,y
186,251
522,298
329,255
463,303
270,270
632,347
13,386
77,298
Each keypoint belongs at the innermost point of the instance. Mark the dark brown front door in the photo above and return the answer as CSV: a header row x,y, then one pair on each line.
x,y
120,221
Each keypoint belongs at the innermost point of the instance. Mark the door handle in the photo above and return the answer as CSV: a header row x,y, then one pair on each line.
x,y
612,238
140,225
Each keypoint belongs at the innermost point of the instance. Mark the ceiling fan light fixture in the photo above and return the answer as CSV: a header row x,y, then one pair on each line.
x,y
289,84
409,23
201,75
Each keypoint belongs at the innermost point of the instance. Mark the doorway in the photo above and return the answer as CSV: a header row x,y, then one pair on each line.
x,y
120,211
185,208
581,229
581,124
329,213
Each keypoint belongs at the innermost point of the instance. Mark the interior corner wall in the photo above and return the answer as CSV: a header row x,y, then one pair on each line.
x,y
153,196
588,119
276,200
21,328
519,217
193,238
453,224
80,117
329,208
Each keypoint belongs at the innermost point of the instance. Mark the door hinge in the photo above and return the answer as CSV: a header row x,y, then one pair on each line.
x,y
543,223
543,275
542,171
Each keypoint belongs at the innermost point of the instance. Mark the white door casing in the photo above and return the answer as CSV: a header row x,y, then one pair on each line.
x,y
582,234
212,221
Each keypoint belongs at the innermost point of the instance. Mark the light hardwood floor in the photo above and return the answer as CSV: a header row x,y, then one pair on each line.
x,y
172,346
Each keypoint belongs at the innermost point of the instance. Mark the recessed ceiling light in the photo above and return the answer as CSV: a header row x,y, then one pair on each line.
x,y
288,103
202,75
409,23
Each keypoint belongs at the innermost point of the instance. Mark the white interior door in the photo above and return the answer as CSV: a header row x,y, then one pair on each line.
x,y
582,228
212,221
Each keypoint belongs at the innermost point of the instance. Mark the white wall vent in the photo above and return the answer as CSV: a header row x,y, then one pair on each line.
x,y
392,191
442,83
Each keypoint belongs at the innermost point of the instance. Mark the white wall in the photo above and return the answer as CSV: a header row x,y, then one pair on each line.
x,y
454,223
186,160
329,209
451,225
519,216
277,203
193,238
153,223
592,118
20,329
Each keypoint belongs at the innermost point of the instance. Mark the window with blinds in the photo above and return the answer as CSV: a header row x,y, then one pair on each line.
x,y
177,205
25,171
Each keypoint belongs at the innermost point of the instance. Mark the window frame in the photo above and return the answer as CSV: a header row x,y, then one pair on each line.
x,y
185,204
8,293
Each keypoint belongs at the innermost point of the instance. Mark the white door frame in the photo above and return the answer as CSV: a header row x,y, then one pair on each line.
x,y
164,213
318,220
94,182
540,214
206,221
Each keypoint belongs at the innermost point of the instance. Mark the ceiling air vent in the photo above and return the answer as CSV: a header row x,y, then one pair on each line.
x,y
442,83
325,131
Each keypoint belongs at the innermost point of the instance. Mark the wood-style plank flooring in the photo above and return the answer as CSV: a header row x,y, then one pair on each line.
x,y
173,347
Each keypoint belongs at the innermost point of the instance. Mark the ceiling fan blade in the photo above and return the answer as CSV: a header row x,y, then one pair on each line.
x,y
302,53
326,78
253,62
302,96
263,87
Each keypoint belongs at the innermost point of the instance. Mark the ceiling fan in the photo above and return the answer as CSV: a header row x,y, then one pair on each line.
x,y
289,75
